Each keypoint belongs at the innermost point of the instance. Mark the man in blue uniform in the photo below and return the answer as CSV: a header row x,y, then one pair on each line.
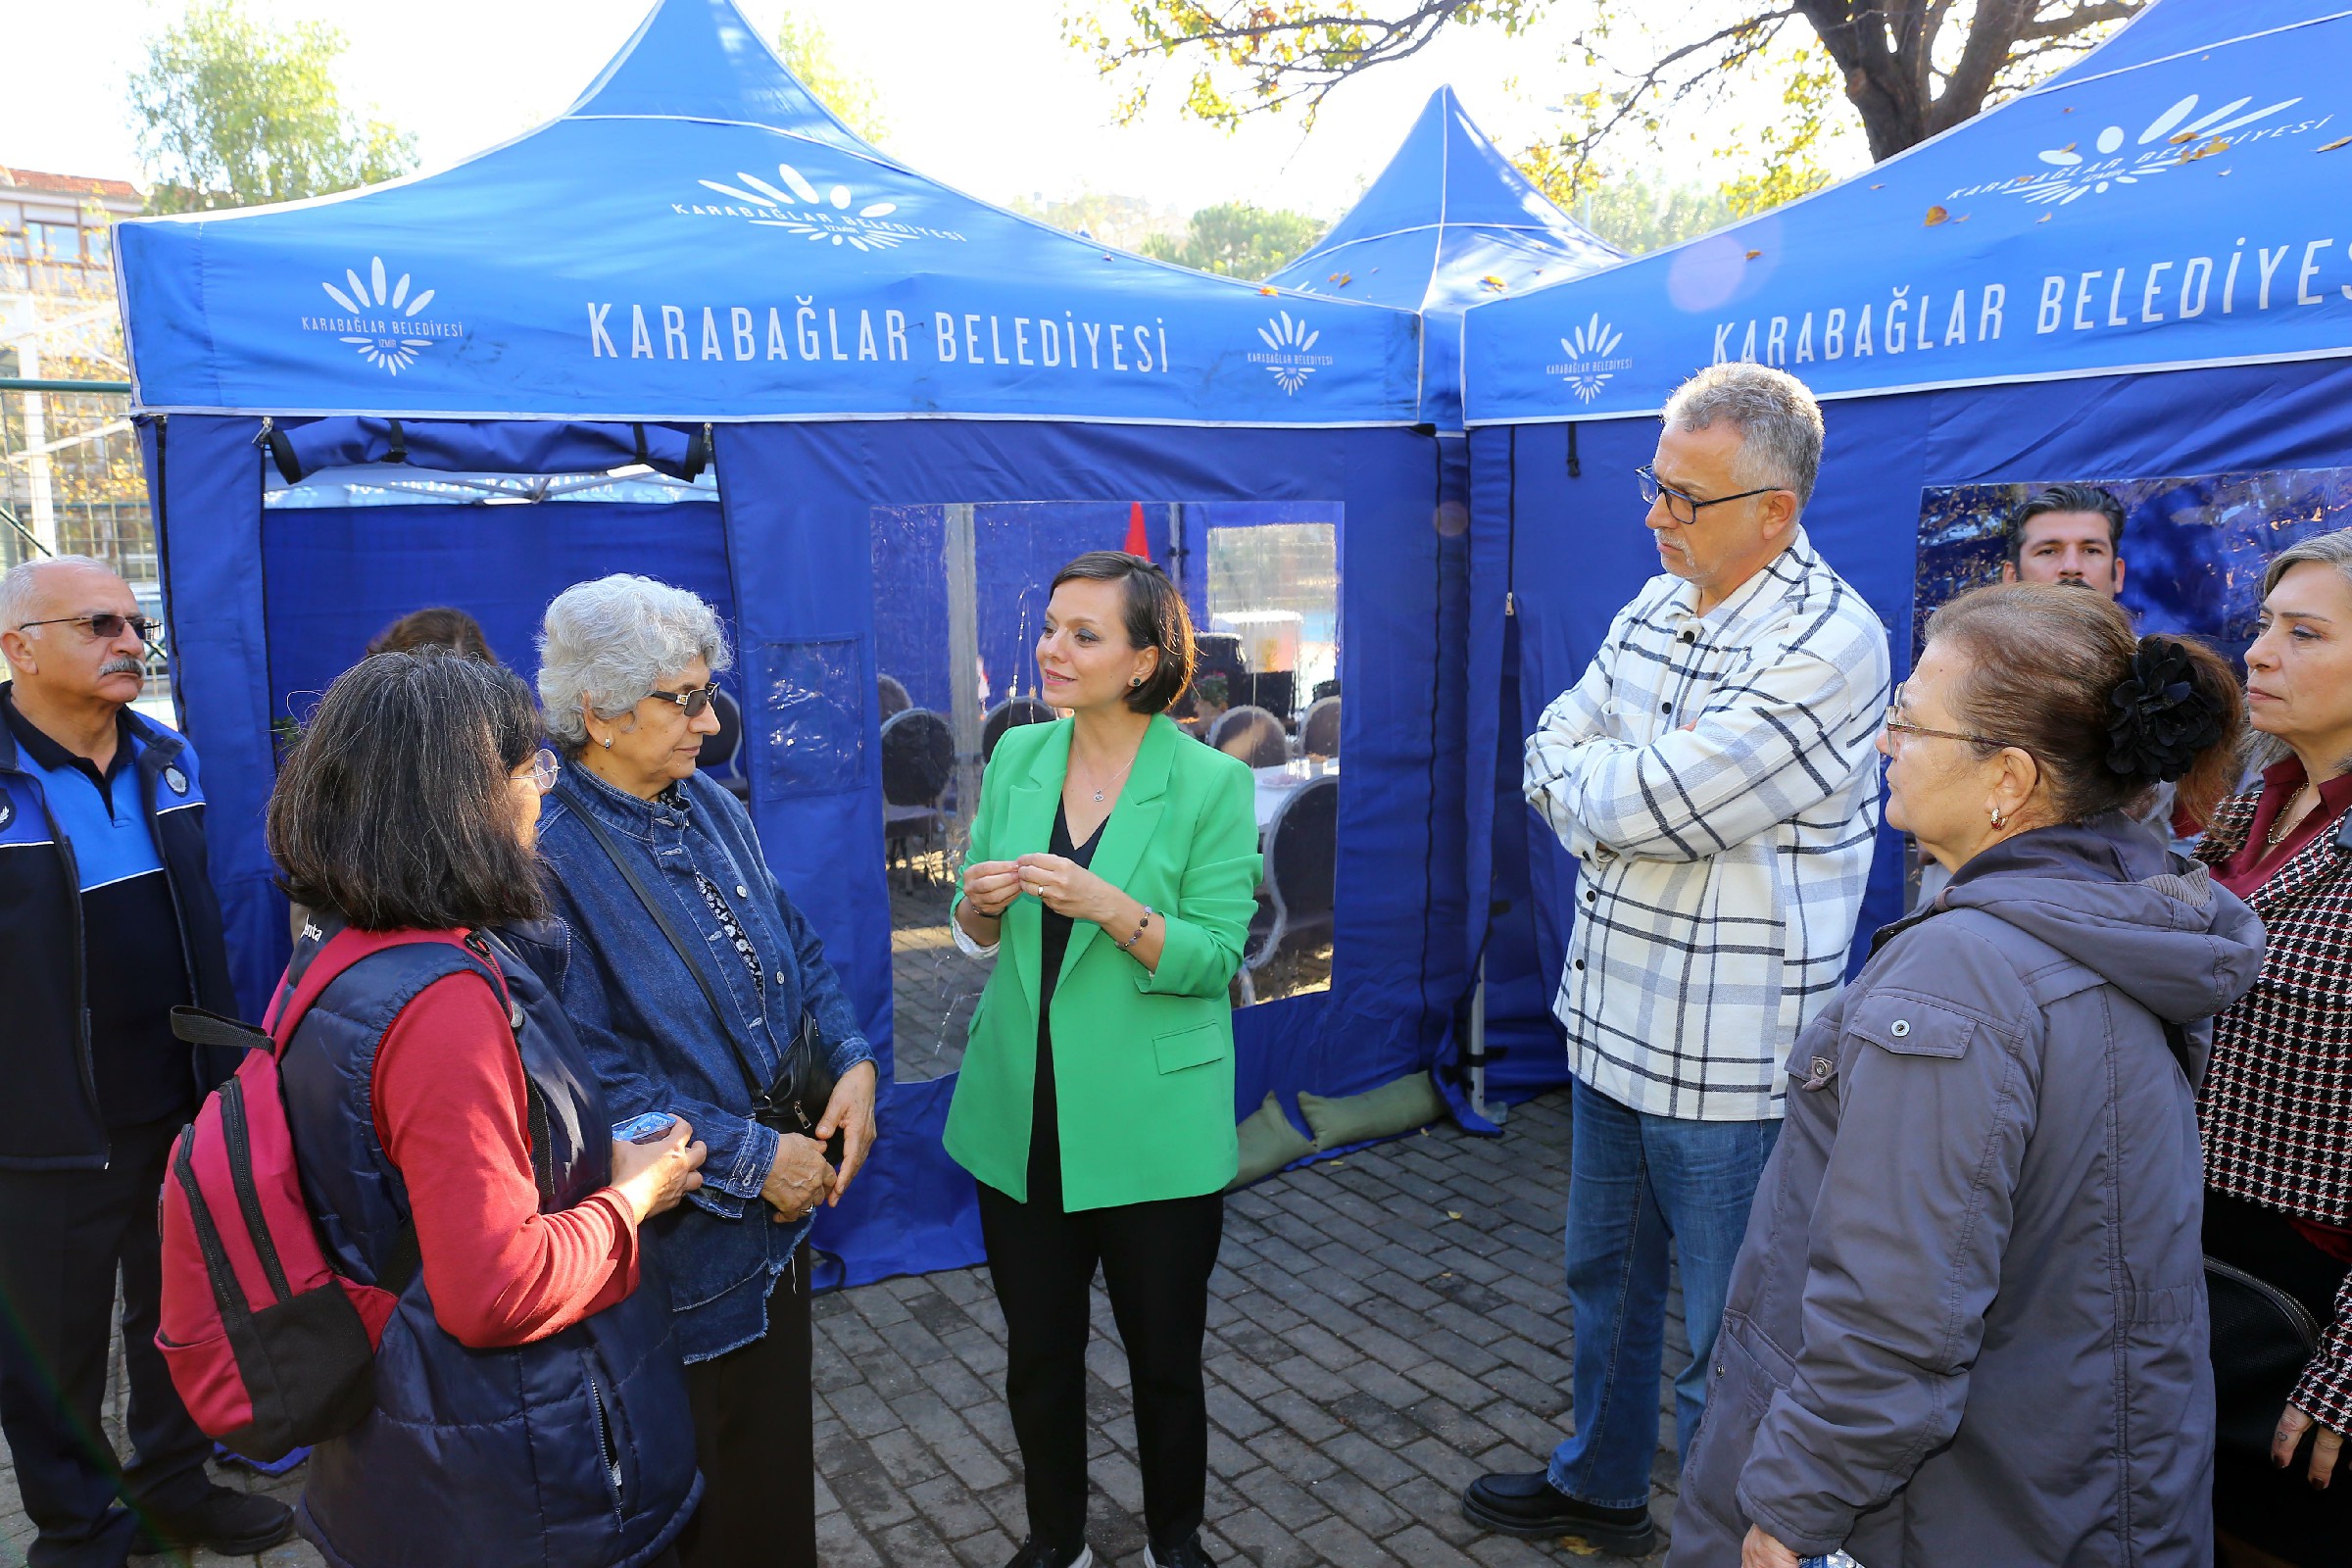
x,y
107,922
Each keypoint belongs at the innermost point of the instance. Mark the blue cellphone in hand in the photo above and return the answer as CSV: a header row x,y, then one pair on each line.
x,y
650,1128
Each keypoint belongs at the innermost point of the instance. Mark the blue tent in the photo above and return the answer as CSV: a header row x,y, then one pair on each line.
x,y
545,352
1449,222
2130,274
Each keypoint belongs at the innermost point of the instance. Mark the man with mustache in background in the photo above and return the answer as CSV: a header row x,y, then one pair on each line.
x,y
2067,533
107,922
2071,534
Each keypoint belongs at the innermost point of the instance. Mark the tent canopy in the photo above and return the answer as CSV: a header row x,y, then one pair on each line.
x,y
2162,205
1450,221
698,238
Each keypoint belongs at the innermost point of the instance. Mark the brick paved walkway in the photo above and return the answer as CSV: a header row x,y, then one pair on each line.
x,y
1382,1329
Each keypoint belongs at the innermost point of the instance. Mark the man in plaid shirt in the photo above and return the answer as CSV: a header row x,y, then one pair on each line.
x,y
1715,775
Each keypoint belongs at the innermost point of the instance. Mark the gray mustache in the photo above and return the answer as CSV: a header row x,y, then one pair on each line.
x,y
123,665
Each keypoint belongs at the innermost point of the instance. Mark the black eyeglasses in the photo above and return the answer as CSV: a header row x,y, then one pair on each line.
x,y
1685,509
693,699
105,625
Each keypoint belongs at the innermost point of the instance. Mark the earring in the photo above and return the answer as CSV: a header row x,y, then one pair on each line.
x,y
609,746
1998,820
1135,680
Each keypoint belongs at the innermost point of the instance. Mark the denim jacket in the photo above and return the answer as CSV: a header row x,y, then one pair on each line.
x,y
649,1032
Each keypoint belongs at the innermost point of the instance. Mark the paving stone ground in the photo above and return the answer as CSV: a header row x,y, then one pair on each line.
x,y
1382,1328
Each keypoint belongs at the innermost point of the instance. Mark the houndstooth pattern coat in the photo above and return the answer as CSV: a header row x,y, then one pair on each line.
x,y
2277,1104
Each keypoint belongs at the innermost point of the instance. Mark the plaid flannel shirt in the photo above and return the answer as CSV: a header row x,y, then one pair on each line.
x,y
1717,778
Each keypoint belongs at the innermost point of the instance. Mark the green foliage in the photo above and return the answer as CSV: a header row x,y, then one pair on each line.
x,y
232,113
1901,69
1129,222
1236,239
808,49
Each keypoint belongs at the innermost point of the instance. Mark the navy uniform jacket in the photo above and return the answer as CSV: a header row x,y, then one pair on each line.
x,y
50,1118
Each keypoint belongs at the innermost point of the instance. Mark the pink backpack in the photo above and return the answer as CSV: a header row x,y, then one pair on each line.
x,y
269,1347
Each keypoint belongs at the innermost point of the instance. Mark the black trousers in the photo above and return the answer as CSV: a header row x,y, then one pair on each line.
x,y
1155,1260
2278,1510
754,1439
62,1237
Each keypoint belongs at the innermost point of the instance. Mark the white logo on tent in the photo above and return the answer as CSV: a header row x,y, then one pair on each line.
x,y
384,322
2179,136
792,203
1589,366
1288,342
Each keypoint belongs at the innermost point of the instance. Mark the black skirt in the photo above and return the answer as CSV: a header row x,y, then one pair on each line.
x,y
2262,1505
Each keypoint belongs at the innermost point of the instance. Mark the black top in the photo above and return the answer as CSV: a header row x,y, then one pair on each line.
x,y
1044,1142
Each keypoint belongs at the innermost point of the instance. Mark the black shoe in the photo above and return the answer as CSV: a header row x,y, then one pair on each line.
x,y
234,1524
1035,1553
1532,1509
1188,1554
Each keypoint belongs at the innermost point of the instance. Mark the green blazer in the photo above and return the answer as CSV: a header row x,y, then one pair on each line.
x,y
1142,1059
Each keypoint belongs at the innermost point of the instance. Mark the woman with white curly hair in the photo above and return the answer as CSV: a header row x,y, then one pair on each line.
x,y
701,991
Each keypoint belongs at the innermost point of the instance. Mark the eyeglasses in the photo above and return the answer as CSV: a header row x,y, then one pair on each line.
x,y
1902,728
693,699
542,773
105,625
1685,509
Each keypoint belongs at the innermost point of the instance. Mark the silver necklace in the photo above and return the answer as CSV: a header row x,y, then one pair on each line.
x,y
1120,775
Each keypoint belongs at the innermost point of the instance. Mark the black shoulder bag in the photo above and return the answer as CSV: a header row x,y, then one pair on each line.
x,y
795,1101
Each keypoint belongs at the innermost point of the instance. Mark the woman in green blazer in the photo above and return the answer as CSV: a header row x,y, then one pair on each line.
x,y
1114,859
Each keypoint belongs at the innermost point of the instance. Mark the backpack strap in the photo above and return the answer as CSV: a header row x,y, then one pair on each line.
x,y
347,948
343,950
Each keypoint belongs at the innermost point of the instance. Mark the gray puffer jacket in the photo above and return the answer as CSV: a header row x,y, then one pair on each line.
x,y
1967,1327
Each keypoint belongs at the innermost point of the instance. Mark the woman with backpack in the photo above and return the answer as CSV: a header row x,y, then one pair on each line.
x,y
452,1144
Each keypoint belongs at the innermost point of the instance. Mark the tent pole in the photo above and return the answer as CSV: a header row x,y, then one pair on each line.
x,y
959,555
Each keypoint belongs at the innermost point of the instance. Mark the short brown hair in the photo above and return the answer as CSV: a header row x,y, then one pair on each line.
x,y
1155,618
394,809
2046,666
436,626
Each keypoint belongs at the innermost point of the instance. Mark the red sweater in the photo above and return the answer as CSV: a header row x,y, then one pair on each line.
x,y
452,1112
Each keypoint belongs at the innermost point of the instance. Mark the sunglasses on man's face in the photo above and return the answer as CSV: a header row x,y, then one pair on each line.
x,y
105,625
693,699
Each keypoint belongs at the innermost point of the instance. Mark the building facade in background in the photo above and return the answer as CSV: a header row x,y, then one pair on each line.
x,y
69,475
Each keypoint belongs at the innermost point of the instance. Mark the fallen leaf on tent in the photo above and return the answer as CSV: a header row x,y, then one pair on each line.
x,y
1753,255
2176,141
1269,291
1880,185
1494,282
2206,151
1962,218
2329,147
1936,214
2046,217
1343,279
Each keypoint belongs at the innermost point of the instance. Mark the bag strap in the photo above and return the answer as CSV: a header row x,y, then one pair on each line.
x,y
199,1027
645,896
342,951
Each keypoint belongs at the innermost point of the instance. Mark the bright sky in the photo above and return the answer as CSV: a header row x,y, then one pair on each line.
x,y
985,96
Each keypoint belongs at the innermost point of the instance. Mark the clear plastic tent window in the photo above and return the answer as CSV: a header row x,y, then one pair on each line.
x,y
961,592
399,485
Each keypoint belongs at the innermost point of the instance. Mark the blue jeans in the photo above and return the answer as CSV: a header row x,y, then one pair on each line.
x,y
1635,1182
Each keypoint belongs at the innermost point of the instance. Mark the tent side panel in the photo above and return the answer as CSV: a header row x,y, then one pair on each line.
x,y
206,480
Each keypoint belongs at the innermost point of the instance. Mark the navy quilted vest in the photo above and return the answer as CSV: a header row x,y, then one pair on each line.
x,y
576,1451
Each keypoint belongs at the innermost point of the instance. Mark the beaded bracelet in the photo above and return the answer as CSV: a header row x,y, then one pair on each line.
x,y
1140,927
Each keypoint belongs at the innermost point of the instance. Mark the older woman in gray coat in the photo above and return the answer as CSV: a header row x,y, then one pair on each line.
x,y
1968,1322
